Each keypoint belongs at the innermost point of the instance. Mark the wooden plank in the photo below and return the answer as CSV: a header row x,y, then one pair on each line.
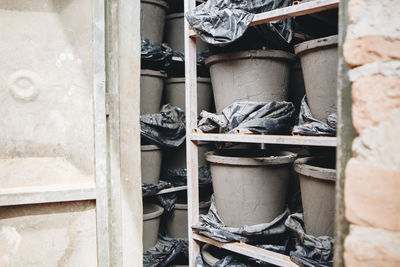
x,y
100,133
47,194
250,251
267,139
294,11
172,189
311,7
191,123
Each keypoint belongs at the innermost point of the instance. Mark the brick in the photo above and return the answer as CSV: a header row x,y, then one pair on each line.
x,y
371,195
368,49
374,99
371,247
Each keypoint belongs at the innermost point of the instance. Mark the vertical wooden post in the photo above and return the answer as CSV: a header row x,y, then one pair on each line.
x,y
191,123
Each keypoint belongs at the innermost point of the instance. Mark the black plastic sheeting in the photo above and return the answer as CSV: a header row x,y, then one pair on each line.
x,y
220,22
258,117
165,252
309,251
212,226
178,177
164,129
308,125
155,56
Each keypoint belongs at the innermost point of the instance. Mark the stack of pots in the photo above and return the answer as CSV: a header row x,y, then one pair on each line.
x,y
317,174
152,19
151,223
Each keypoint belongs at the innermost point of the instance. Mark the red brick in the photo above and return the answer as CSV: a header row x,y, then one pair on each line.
x,y
371,247
374,98
371,195
369,49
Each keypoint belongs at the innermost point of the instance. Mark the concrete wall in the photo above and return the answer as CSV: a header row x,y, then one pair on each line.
x,y
372,184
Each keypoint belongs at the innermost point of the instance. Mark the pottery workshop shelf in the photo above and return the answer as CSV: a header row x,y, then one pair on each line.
x,y
291,11
266,139
243,136
250,251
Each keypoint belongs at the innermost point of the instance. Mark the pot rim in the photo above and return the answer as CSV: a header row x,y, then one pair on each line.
x,y
316,44
250,54
152,215
160,3
149,148
182,80
202,205
176,15
152,73
207,257
285,157
302,166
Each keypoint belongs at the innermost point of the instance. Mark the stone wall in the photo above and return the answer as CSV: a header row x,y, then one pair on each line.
x,y
372,185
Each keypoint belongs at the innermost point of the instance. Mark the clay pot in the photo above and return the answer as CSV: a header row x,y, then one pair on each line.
x,y
317,184
151,157
177,221
250,185
319,61
256,75
151,223
151,88
175,93
152,19
176,158
211,255
174,34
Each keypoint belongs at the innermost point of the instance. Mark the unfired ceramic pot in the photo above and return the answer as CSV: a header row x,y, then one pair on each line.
x,y
319,62
317,185
177,221
175,93
174,34
151,223
256,75
152,19
151,89
151,157
250,185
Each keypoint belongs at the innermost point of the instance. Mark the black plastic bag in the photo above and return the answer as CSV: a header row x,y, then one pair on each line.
x,y
308,125
212,226
178,177
165,129
167,201
220,22
310,251
258,117
155,56
165,252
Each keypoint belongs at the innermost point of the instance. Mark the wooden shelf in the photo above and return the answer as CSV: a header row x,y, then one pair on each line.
x,y
250,251
266,139
307,8
172,189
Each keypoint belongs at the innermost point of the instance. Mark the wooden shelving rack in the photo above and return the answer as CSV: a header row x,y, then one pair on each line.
x,y
193,135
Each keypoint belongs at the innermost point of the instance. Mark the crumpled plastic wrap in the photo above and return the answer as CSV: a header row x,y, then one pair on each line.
x,y
212,226
155,56
308,125
220,22
258,117
310,251
165,252
164,129
178,177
